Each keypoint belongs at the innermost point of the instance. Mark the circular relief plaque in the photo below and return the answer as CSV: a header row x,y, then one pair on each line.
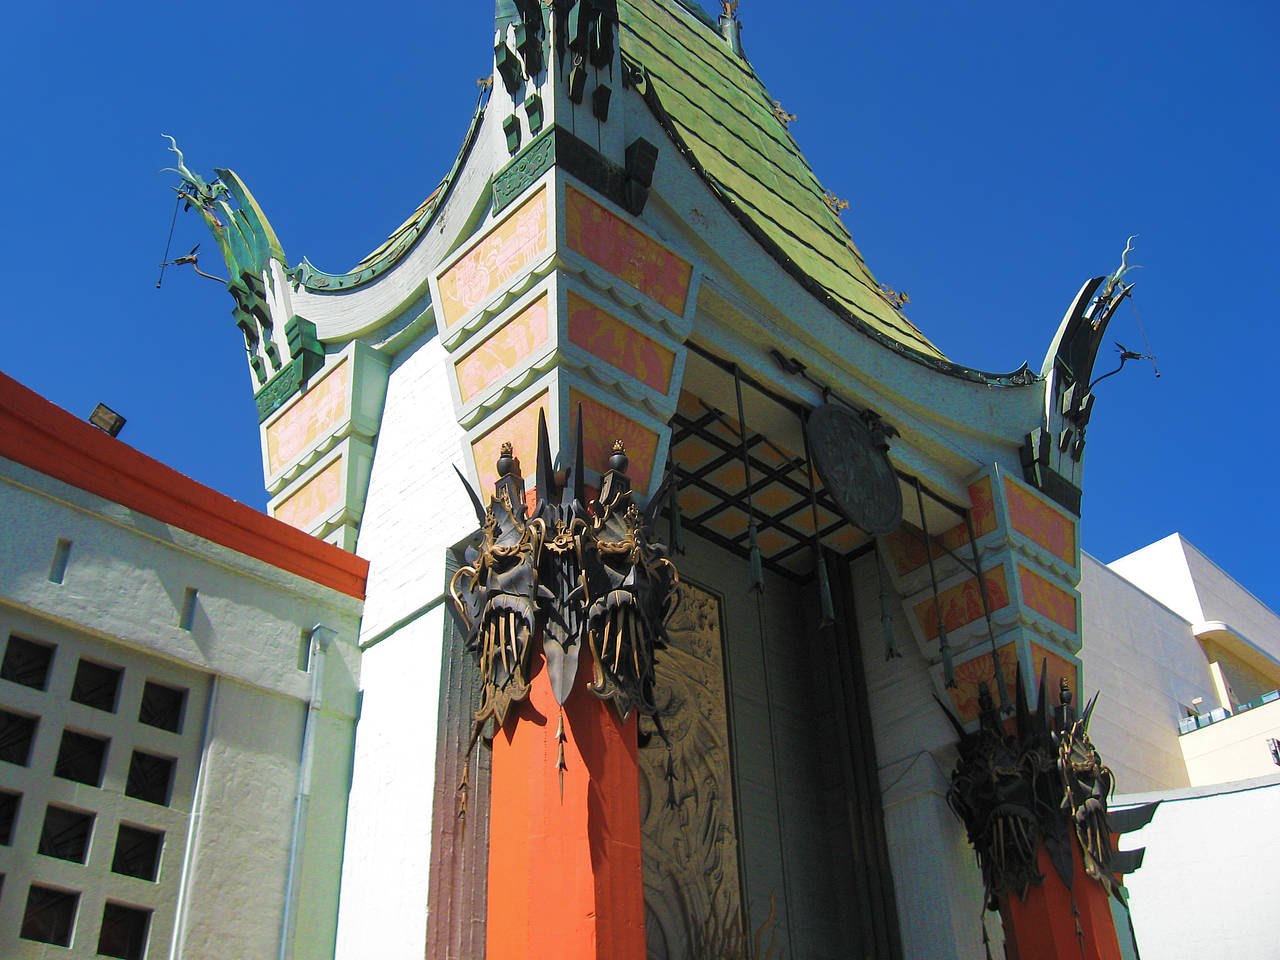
x,y
856,472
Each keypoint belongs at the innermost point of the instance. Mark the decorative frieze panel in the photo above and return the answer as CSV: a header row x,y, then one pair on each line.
x,y
1028,551
618,344
313,500
609,424
904,549
1042,522
975,669
959,608
327,500
519,428
1048,600
686,792
515,341
314,416
563,305
508,249
610,242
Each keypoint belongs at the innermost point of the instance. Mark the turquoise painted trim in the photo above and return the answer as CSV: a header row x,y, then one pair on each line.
x,y
279,389
535,160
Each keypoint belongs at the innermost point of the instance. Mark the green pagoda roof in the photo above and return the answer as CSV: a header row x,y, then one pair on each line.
x,y
715,107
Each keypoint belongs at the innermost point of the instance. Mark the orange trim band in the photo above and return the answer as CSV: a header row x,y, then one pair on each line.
x,y
38,434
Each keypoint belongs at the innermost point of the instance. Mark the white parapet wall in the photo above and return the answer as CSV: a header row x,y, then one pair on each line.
x,y
1208,885
154,693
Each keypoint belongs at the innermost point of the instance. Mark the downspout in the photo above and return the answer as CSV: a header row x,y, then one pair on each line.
x,y
178,944
318,640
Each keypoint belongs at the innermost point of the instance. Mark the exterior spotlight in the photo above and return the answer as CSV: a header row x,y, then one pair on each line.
x,y
107,420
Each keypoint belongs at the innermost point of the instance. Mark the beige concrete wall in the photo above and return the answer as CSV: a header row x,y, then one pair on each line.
x,y
1233,749
1222,598
1146,664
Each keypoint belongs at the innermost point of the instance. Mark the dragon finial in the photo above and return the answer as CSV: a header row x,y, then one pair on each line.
x,y
205,193
730,8
1117,279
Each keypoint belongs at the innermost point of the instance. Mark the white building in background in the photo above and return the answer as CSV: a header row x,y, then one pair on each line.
x,y
178,680
1188,663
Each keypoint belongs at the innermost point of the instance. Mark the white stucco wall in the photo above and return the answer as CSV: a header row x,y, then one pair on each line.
x,y
1208,886
416,510
1222,598
229,821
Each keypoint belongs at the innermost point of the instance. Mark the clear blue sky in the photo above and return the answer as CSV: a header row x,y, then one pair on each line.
x,y
994,156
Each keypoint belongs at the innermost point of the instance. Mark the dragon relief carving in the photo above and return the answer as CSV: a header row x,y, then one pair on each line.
x,y
571,575
686,795
1041,782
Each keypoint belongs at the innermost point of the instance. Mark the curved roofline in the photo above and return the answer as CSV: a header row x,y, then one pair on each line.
x,y
403,239
1017,378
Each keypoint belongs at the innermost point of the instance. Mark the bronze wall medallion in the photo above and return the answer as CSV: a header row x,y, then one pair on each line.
x,y
852,460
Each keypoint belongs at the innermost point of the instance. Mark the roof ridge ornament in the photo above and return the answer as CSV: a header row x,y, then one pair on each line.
x,y
731,26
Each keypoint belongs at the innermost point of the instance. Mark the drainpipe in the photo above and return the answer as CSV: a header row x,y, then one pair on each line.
x,y
318,641
178,944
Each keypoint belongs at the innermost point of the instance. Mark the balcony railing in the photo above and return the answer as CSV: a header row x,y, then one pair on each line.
x,y
1217,714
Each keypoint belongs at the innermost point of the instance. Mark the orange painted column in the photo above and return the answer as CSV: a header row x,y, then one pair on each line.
x,y
1043,925
565,875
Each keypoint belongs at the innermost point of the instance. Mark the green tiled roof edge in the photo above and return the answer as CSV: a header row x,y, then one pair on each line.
x,y
693,83
401,240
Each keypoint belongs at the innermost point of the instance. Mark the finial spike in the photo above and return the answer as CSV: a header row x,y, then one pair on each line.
x,y
544,477
1021,710
1042,698
475,501
579,458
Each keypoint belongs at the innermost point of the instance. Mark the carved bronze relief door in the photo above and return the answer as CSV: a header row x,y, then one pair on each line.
x,y
693,898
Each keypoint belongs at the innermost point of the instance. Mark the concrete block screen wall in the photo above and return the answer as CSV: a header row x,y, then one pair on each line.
x,y
99,750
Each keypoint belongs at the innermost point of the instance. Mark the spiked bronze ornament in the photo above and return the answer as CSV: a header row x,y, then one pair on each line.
x,y
1034,784
570,575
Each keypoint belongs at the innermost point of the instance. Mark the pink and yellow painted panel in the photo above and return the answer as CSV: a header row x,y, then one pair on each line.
x,y
515,342
982,508
972,673
601,426
521,430
316,498
506,251
905,547
962,604
1047,599
605,336
1041,523
311,418
1056,668
608,241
